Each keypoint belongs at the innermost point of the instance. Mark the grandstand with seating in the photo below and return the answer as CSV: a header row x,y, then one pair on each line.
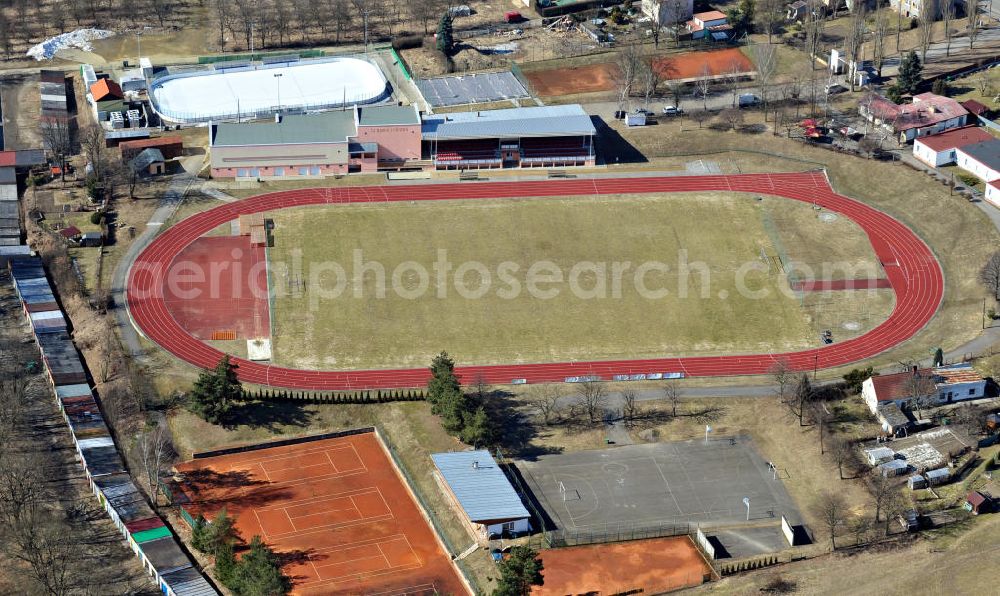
x,y
548,136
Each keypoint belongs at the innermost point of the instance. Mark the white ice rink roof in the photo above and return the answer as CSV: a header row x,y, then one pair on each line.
x,y
251,90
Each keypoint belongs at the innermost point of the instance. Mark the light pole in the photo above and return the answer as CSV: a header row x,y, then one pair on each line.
x,y
277,78
365,13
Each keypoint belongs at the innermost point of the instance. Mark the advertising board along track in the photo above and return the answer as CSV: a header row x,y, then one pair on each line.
x,y
911,268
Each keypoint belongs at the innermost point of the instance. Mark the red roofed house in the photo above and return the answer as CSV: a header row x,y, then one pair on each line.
x,y
976,503
712,22
105,90
929,114
940,385
938,150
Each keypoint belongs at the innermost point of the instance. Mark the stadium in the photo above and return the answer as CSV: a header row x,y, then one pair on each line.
x,y
236,91
283,340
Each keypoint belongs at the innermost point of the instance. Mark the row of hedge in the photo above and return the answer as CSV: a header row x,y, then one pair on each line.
x,y
349,397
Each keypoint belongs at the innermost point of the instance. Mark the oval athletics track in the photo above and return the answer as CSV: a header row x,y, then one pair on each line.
x,y
913,272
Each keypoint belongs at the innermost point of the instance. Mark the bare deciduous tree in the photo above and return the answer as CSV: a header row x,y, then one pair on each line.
x,y
972,24
672,393
814,25
989,275
703,85
57,140
593,398
831,509
925,31
843,455
781,374
767,14
628,62
855,40
821,419
766,60
546,401
918,386
648,79
881,489
630,411
153,445
880,29
733,75
733,118
860,525
947,16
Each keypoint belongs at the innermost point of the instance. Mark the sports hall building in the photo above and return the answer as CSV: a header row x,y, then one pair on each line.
x,y
396,138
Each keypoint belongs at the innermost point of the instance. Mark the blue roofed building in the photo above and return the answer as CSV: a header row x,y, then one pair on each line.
x,y
478,486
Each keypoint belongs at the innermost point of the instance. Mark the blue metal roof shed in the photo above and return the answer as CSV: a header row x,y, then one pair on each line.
x,y
480,486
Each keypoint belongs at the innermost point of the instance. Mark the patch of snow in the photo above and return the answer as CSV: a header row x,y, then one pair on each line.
x,y
80,38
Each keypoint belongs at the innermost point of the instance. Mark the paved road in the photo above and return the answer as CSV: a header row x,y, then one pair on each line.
x,y
169,202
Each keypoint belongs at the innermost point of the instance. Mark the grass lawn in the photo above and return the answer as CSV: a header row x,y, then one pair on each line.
x,y
399,330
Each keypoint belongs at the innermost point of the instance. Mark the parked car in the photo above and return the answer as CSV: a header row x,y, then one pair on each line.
x,y
644,111
672,111
748,100
834,89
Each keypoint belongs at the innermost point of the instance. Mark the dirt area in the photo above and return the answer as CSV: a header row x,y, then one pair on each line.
x,y
21,110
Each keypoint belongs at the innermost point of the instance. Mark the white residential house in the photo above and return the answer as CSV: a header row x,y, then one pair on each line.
x,y
980,159
941,385
671,12
712,23
993,193
940,149
914,8
929,114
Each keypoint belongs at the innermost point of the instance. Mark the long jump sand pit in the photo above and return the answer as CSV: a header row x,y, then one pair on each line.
x,y
336,511
599,77
648,566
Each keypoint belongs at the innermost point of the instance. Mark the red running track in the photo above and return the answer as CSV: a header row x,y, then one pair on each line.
x,y
913,273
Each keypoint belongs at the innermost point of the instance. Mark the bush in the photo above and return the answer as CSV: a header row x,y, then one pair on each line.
x,y
968,179
407,42
97,217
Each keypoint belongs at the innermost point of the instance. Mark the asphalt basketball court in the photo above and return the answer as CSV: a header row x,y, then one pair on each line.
x,y
641,486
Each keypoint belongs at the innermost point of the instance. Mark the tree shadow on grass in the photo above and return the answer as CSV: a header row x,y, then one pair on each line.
x,y
516,431
270,415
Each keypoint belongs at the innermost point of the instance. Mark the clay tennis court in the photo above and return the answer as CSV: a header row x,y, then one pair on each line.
x,y
217,286
598,77
650,566
335,509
